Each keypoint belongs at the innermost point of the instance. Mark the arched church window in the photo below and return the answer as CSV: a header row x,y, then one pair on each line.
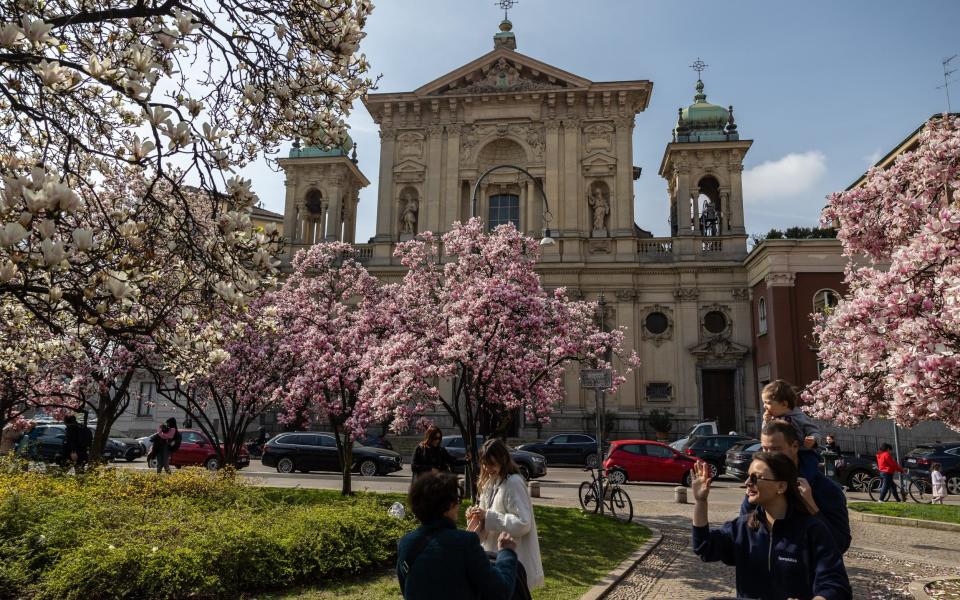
x,y
314,201
504,208
825,301
761,316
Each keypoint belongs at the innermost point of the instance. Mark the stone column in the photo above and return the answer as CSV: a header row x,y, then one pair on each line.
x,y
695,203
572,201
628,397
429,219
290,210
386,204
621,213
682,174
450,203
553,169
335,215
735,209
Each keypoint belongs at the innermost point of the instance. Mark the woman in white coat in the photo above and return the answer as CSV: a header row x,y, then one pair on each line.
x,y
505,506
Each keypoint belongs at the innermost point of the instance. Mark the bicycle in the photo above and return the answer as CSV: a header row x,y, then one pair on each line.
x,y
919,490
600,493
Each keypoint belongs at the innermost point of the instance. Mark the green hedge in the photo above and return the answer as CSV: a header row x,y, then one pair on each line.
x,y
119,534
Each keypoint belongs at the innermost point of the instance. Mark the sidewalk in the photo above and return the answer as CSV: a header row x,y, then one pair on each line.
x,y
881,563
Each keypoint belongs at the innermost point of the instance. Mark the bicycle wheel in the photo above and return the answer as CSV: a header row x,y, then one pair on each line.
x,y
873,488
621,506
921,491
589,499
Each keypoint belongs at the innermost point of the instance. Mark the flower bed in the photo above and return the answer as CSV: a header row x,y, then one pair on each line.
x,y
117,533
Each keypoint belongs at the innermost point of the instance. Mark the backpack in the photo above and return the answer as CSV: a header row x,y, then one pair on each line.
x,y
521,591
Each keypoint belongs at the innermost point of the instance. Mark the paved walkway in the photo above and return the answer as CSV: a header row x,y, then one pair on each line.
x,y
882,562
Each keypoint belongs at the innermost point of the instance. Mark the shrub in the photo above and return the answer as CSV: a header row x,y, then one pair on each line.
x,y
661,420
114,533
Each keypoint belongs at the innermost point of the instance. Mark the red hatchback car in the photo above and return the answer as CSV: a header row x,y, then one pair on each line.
x,y
643,460
196,449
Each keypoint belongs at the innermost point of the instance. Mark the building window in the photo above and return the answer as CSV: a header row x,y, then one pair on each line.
x,y
656,323
504,208
825,301
761,316
659,392
146,399
715,322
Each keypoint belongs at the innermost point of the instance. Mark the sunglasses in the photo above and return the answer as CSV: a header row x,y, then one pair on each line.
x,y
753,478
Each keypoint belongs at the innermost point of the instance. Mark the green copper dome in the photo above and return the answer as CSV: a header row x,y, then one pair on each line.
x,y
703,113
704,122
317,152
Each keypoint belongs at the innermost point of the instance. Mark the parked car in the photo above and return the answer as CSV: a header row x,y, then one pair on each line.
x,y
377,441
129,449
700,429
918,462
738,458
196,450
45,443
643,460
307,451
567,449
531,464
712,449
855,471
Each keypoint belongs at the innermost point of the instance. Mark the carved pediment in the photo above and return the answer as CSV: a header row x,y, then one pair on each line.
x,y
598,165
409,171
720,348
503,71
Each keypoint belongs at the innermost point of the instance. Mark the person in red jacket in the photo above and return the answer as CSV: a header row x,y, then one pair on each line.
x,y
888,467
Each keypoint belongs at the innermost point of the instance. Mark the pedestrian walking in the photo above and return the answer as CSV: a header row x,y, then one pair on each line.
x,y
430,456
504,505
888,467
778,548
437,560
939,484
164,443
77,441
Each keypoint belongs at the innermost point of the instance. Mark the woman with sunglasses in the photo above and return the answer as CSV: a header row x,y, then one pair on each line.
x,y
430,456
779,550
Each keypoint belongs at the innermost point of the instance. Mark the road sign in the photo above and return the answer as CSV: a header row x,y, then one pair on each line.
x,y
591,379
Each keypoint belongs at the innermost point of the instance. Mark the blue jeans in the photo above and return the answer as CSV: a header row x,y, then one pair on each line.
x,y
887,486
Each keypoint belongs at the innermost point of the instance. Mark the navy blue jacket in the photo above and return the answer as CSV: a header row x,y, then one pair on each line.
x,y
798,559
832,503
453,565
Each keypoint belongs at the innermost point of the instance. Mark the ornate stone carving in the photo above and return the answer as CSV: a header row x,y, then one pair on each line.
x,y
597,137
720,349
780,279
474,136
551,124
686,293
410,144
571,121
500,76
626,295
435,130
409,207
453,129
711,324
502,151
624,122
740,293
387,133
600,246
656,335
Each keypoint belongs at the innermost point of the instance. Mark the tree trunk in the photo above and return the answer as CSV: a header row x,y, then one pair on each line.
x,y
345,452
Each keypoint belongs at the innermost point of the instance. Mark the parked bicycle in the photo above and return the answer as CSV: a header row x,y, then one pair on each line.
x,y
600,494
919,490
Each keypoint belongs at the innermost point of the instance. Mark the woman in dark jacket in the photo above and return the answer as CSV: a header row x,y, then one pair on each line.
x,y
430,456
779,550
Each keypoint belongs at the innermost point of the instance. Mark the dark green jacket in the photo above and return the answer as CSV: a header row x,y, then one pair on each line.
x,y
453,564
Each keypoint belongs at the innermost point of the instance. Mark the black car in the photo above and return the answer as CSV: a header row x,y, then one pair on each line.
x,y
739,457
918,462
712,449
307,451
129,449
567,449
854,471
531,464
45,443
377,441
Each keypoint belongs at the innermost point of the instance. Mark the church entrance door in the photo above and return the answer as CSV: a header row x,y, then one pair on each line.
x,y
719,400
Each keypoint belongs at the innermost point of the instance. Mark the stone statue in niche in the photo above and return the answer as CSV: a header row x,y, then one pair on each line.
x,y
408,218
600,208
709,219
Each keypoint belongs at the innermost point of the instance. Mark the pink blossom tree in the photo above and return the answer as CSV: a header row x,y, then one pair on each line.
x,y
330,310
480,319
891,348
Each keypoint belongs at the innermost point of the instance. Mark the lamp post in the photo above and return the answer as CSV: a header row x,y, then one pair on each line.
x,y
546,240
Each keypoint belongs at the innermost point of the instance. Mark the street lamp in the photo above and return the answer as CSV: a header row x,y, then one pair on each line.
x,y
546,240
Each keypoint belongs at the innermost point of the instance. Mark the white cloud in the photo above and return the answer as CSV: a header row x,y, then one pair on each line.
x,y
872,158
789,177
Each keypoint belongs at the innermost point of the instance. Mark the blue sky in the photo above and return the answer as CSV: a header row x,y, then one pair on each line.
x,y
824,88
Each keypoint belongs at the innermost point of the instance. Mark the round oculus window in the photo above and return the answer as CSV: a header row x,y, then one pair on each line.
x,y
656,323
715,321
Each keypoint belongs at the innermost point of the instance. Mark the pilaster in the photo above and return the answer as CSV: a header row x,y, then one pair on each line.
x,y
450,203
386,204
572,201
432,184
622,221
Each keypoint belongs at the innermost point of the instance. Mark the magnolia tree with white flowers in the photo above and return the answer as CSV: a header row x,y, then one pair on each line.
x,y
891,348
121,127
482,320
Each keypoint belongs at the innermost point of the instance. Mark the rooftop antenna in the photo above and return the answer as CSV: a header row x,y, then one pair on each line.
x,y
506,5
947,72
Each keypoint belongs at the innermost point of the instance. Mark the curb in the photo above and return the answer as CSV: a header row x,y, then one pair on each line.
x,y
916,589
617,574
903,522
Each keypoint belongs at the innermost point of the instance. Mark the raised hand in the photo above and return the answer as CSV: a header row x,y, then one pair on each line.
x,y
506,542
700,481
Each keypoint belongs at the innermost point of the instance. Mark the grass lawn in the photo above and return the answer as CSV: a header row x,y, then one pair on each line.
x,y
948,513
578,550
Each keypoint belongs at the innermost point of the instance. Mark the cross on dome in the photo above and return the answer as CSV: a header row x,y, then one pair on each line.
x,y
506,5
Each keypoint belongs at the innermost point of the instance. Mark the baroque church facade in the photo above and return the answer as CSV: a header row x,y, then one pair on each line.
x,y
684,299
